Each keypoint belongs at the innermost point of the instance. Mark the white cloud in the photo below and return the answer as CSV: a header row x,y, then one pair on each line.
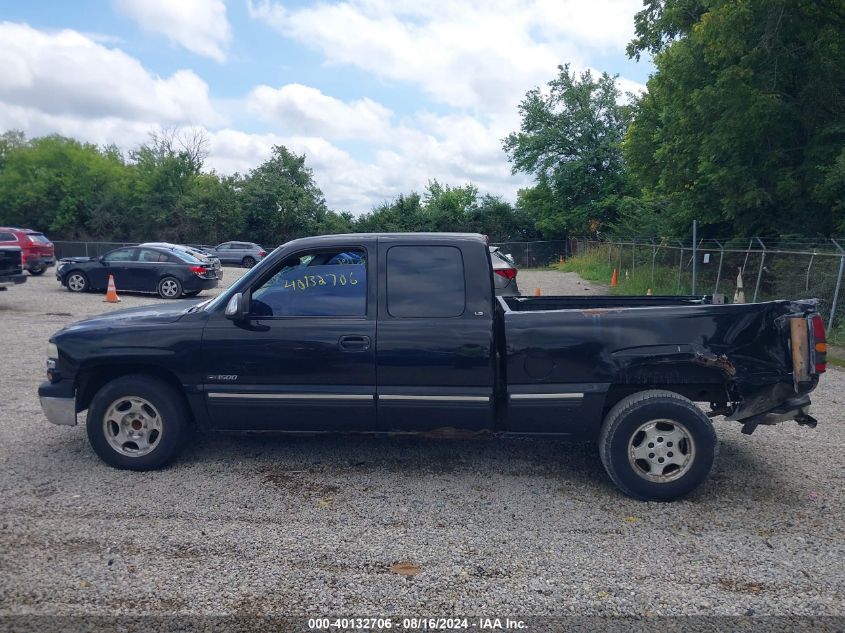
x,y
201,26
476,54
299,109
68,74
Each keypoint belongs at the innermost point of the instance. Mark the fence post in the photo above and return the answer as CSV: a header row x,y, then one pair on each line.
x,y
838,284
680,267
719,272
760,271
809,268
86,250
633,256
653,257
694,254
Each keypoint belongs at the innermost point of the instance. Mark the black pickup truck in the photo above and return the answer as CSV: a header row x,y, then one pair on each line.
x,y
402,333
11,268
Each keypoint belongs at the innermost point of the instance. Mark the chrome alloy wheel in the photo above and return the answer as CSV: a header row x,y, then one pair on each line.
x,y
76,282
132,426
661,450
169,288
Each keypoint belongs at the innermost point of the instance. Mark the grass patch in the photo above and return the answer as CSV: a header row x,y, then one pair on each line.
x,y
593,266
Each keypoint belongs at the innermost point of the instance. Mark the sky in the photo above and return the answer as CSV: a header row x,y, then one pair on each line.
x,y
379,95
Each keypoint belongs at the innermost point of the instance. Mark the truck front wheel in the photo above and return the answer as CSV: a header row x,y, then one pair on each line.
x,y
137,423
657,445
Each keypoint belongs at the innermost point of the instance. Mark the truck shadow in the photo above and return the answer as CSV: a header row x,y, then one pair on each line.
x,y
742,476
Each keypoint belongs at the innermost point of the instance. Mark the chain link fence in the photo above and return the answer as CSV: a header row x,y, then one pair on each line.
x,y
767,268
537,254
87,249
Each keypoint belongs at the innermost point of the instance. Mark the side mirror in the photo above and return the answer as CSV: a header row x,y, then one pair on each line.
x,y
236,308
102,259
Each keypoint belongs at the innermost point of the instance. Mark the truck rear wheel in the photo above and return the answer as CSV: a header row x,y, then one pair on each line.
x,y
657,445
137,423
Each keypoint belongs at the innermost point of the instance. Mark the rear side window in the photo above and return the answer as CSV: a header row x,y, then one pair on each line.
x,y
8,237
425,281
147,255
317,283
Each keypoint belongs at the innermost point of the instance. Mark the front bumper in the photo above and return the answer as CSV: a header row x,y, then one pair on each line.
x,y
8,280
57,405
36,262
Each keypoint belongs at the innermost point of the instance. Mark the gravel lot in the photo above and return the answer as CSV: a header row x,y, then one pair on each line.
x,y
248,525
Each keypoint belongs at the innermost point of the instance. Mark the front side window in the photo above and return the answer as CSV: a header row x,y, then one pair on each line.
x,y
326,282
121,255
425,281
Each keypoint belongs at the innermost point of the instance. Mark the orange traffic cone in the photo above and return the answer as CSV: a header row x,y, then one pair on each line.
x,y
536,292
649,293
111,292
614,280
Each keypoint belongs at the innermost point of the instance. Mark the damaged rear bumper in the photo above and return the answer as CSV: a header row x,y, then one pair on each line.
x,y
797,408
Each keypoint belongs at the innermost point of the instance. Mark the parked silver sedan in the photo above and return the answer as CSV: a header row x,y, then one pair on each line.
x,y
504,269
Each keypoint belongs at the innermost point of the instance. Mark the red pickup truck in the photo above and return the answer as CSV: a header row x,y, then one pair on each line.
x,y
37,252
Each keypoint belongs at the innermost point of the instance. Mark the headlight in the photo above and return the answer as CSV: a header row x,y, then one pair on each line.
x,y
52,355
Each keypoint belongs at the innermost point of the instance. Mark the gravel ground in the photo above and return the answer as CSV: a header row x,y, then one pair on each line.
x,y
551,282
314,526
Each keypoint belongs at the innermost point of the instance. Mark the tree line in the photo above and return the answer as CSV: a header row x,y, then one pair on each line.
x,y
742,127
79,191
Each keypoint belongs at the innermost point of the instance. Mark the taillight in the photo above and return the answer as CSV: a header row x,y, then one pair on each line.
x,y
507,273
262,253
197,270
819,344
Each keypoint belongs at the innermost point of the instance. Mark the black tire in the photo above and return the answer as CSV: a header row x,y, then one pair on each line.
x,y
83,283
628,426
248,262
169,288
38,270
172,414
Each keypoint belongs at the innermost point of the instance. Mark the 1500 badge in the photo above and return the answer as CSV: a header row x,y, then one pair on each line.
x,y
222,377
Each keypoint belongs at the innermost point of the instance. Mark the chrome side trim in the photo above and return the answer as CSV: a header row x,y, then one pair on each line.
x,y
390,396
61,411
547,396
290,396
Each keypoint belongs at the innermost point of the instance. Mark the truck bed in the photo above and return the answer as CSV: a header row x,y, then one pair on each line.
x,y
565,358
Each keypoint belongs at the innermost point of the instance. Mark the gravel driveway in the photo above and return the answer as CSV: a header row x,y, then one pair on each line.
x,y
314,526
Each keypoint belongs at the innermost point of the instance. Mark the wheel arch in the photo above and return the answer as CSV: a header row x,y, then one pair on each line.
x,y
694,381
91,380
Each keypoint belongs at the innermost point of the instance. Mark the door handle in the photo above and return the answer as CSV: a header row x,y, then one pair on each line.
x,y
354,343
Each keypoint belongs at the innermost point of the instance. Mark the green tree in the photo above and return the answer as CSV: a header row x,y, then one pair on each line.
x,y
404,213
280,200
570,141
743,124
448,208
60,185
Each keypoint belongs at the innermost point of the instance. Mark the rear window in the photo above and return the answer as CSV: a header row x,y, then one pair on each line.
x,y
185,257
38,237
425,281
